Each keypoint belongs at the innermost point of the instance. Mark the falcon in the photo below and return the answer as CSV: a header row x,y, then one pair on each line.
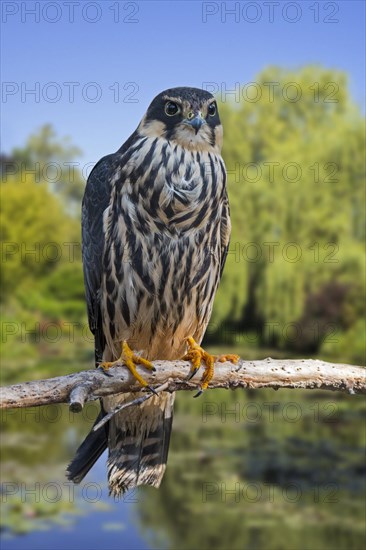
x,y
155,235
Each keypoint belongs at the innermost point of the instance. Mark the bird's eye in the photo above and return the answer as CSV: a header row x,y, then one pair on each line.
x,y
212,109
171,108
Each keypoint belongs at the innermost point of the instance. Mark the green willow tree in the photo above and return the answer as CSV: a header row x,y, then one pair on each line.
x,y
294,150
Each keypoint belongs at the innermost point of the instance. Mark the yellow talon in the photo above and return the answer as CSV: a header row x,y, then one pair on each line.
x,y
130,360
229,357
196,354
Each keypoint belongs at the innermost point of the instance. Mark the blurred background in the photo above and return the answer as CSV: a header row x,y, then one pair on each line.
x,y
247,469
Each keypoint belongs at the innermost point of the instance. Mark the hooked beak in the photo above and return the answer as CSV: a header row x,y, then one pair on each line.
x,y
196,122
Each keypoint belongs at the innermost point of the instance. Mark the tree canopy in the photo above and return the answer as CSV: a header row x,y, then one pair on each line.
x,y
296,181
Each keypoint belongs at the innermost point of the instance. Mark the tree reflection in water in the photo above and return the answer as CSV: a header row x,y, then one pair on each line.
x,y
246,470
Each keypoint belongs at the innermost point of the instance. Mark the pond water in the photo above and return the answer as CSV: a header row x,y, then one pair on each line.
x,y
247,470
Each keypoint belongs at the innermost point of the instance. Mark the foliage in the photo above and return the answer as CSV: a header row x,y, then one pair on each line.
x,y
42,278
295,171
34,229
349,345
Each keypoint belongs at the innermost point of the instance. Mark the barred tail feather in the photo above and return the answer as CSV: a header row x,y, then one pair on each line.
x,y
88,453
138,443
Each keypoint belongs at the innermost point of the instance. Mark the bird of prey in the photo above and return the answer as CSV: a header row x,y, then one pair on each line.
x,y
155,235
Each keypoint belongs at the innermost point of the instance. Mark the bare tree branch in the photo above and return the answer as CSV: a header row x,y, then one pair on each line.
x,y
83,386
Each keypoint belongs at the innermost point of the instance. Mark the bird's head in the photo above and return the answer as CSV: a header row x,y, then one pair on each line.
x,y
187,116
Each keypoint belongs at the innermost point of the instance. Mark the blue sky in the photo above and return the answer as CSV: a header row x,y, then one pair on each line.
x,y
124,53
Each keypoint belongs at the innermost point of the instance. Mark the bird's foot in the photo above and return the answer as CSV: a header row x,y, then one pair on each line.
x,y
130,359
196,354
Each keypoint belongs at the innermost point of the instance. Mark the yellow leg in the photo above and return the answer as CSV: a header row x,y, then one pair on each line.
x,y
130,360
196,354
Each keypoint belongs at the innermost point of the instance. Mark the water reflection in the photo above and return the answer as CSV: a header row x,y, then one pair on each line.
x,y
276,479
246,470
